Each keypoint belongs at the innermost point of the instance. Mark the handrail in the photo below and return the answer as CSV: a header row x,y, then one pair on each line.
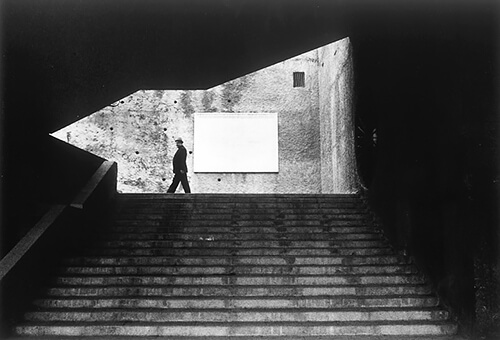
x,y
25,244
84,194
22,247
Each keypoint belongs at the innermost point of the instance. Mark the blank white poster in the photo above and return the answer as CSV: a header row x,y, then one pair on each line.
x,y
236,142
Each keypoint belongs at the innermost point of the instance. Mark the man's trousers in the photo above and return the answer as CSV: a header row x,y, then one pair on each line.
x,y
175,183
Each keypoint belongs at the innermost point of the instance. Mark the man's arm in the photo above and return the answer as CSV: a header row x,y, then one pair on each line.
x,y
182,160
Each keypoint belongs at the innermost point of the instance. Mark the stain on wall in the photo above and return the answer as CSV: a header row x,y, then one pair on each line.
x,y
138,131
186,103
207,101
233,91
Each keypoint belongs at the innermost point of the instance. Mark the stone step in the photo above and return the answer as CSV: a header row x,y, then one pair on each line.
x,y
415,328
242,210
251,216
213,243
228,229
239,260
238,270
257,205
235,197
235,235
282,251
241,223
256,215
218,203
281,197
240,280
282,210
229,302
327,292
234,209
235,315
293,337
273,207
239,198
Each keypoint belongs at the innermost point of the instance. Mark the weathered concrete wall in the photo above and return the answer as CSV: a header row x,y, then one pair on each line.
x,y
338,167
135,132
138,131
314,129
271,90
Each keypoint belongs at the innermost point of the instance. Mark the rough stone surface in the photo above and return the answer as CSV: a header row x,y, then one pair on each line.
x,y
338,167
315,133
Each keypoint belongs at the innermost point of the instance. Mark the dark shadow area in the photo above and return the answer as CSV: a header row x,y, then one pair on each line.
x,y
68,235
433,176
42,172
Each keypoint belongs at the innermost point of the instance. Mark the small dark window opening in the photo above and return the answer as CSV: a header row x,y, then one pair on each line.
x,y
299,79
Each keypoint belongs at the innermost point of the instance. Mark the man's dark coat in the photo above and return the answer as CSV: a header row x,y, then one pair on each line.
x,y
180,160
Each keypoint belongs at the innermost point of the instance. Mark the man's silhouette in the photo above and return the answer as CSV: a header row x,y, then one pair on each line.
x,y
180,168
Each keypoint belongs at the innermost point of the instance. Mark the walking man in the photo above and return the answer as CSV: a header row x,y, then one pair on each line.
x,y
180,168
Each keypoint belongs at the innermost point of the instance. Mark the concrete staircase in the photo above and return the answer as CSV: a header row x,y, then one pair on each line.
x,y
239,266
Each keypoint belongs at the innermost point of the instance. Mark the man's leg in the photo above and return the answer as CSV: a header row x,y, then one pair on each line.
x,y
185,184
175,183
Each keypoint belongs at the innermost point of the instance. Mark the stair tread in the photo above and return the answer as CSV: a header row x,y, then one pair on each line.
x,y
238,297
243,248
238,265
242,256
295,337
255,236
283,286
239,323
246,275
243,310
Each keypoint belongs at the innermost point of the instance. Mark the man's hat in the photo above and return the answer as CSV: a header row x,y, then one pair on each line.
x,y
179,139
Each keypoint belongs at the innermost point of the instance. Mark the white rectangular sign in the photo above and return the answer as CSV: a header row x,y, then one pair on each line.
x,y
235,142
